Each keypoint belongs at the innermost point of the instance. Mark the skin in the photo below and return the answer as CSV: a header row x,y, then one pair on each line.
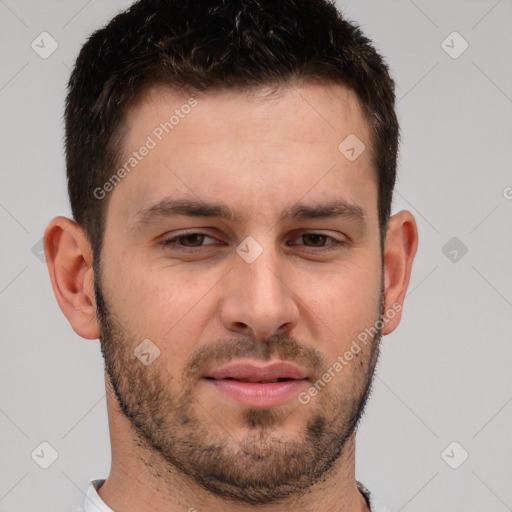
x,y
177,442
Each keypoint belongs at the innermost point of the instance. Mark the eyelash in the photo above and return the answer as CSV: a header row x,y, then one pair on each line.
x,y
336,244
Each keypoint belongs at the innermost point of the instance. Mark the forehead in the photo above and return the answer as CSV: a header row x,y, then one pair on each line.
x,y
261,144
323,108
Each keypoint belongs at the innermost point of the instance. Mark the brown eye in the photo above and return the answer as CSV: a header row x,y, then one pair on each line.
x,y
317,240
187,240
192,240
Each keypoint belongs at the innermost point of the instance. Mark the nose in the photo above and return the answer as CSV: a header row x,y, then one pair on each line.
x,y
259,300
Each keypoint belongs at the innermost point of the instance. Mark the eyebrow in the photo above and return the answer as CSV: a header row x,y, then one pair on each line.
x,y
170,207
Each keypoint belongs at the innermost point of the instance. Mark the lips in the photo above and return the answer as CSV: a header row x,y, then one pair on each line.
x,y
249,372
251,385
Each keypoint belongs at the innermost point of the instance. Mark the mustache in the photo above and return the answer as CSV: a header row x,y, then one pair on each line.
x,y
281,347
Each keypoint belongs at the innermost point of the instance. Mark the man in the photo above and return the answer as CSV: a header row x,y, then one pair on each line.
x,y
231,165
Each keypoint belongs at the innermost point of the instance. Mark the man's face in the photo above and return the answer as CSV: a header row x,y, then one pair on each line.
x,y
212,297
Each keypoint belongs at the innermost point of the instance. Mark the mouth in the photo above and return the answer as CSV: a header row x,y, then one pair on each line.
x,y
255,386
259,381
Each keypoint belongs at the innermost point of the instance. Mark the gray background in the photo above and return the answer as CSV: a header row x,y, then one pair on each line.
x,y
444,375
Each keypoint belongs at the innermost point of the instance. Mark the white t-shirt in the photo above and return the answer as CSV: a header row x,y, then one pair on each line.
x,y
93,502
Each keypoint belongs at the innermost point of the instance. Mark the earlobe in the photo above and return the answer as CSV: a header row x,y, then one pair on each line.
x,y
69,260
400,249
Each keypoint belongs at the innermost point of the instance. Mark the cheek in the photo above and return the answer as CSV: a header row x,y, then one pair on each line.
x,y
162,305
344,304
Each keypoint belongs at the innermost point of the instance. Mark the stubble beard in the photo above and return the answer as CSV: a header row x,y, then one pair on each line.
x,y
258,467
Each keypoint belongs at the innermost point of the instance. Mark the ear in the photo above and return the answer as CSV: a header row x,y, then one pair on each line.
x,y
69,259
399,251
